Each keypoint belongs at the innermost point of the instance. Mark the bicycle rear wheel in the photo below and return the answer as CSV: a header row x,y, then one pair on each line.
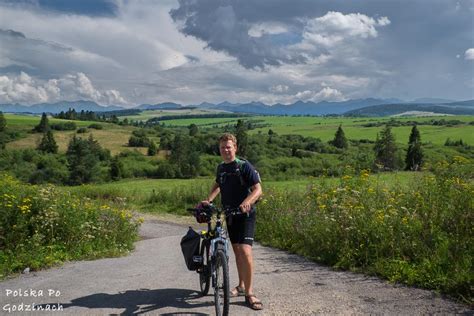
x,y
205,274
221,290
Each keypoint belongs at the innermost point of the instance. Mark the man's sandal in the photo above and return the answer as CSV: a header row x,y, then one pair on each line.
x,y
254,304
237,291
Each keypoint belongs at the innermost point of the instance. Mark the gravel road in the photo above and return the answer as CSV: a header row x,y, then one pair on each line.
x,y
153,280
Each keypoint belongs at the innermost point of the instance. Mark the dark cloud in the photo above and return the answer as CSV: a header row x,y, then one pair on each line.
x,y
224,26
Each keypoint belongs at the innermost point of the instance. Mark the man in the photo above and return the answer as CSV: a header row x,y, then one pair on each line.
x,y
239,185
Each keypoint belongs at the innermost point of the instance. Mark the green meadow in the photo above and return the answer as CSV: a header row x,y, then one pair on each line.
x,y
325,127
112,136
146,115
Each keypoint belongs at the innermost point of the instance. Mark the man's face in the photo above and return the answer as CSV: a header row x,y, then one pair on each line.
x,y
228,150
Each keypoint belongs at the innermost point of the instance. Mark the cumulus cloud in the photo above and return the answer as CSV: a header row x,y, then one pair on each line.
x,y
335,27
28,90
469,54
325,94
190,51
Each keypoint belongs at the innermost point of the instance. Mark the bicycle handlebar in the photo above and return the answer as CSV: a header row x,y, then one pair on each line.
x,y
213,209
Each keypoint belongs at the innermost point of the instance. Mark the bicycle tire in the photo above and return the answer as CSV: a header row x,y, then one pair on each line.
x,y
205,274
221,290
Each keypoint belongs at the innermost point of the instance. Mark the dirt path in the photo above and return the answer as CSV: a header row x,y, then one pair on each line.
x,y
153,280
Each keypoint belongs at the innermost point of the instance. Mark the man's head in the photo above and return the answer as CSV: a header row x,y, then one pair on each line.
x,y
228,147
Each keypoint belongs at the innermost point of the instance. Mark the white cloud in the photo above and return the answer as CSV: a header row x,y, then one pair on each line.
x,y
335,27
280,88
326,94
260,29
469,54
28,90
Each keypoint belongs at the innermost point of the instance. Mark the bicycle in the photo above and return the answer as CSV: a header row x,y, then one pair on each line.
x,y
214,257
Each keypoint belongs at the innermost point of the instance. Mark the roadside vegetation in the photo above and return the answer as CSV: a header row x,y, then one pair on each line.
x,y
417,234
41,226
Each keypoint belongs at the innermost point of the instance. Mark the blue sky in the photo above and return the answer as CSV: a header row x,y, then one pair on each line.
x,y
128,52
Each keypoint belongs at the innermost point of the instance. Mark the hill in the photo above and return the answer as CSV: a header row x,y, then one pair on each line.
x,y
57,107
357,107
453,108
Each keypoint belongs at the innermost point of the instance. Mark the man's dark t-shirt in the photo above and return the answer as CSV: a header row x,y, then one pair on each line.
x,y
235,180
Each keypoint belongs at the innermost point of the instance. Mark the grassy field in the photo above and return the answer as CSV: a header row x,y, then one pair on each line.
x,y
112,136
146,115
325,128
137,192
115,138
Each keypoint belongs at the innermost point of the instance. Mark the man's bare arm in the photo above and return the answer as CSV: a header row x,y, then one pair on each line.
x,y
215,190
253,197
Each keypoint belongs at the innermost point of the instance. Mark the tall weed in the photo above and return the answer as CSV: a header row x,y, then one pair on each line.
x,y
40,226
420,234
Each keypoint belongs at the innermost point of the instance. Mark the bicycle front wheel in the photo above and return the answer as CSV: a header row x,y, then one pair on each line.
x,y
205,274
221,290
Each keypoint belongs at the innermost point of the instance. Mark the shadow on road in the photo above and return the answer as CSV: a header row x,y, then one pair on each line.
x,y
136,302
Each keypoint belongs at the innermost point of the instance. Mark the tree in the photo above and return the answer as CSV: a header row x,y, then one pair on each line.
x,y
48,144
43,125
242,139
83,158
386,149
339,140
3,122
414,157
152,149
116,169
193,129
185,156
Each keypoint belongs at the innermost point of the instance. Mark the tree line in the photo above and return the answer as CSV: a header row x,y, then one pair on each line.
x,y
191,152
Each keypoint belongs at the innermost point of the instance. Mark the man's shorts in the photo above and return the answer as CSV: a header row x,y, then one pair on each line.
x,y
242,229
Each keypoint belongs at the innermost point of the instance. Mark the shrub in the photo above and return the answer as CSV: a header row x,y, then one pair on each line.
x,y
96,126
41,227
66,126
421,235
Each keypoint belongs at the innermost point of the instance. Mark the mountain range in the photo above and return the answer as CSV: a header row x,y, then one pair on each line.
x,y
357,107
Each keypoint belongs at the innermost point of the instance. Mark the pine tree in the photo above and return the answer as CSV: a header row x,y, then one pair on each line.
x,y
3,122
152,149
242,139
414,157
386,149
43,125
116,169
340,140
48,144
193,129
83,158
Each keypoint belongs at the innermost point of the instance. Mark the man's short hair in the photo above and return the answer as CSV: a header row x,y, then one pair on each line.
x,y
226,137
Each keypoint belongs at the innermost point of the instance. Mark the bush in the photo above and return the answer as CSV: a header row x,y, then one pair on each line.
x,y
96,126
41,227
82,130
418,235
66,126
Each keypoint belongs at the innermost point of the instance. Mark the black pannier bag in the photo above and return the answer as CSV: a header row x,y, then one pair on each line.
x,y
190,248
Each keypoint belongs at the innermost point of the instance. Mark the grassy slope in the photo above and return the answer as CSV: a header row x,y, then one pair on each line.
x,y
112,137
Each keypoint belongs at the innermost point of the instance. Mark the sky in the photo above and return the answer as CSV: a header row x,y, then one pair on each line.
x,y
131,52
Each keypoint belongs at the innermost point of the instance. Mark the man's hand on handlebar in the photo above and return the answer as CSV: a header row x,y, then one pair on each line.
x,y
205,202
245,207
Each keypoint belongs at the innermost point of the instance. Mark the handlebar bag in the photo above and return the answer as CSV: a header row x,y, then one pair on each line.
x,y
190,248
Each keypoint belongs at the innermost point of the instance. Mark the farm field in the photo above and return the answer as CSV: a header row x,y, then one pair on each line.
x,y
146,115
115,138
325,127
